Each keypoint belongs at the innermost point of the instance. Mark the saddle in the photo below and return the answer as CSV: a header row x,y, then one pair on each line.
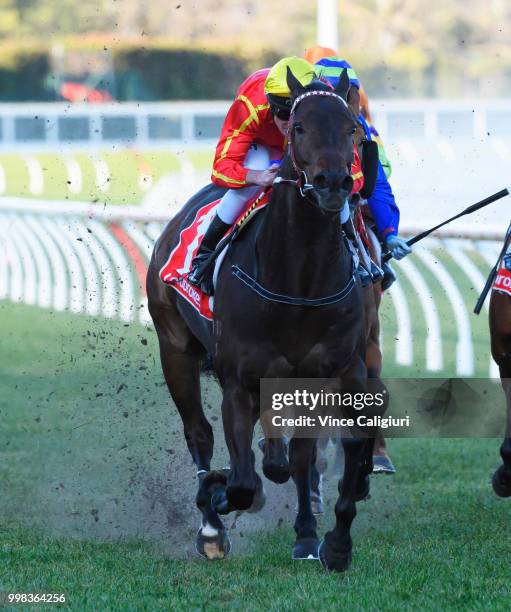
x,y
175,270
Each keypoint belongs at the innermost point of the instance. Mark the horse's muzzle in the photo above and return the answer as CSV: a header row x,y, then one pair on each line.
x,y
332,189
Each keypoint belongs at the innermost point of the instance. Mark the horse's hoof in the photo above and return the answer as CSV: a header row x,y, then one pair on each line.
x,y
276,472
214,546
501,482
259,500
240,498
382,464
305,549
275,462
332,560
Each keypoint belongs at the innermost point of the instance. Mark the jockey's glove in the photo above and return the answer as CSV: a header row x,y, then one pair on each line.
x,y
397,246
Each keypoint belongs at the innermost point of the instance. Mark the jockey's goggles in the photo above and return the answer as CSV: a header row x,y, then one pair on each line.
x,y
280,107
280,113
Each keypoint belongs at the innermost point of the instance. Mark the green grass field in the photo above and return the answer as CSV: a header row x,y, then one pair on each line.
x,y
130,173
97,495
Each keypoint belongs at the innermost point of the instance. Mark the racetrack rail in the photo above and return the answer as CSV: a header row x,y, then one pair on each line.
x,y
92,259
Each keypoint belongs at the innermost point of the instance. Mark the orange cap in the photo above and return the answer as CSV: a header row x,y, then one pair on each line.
x,y
314,54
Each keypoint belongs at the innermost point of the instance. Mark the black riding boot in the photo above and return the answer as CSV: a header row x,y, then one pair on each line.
x,y
215,232
389,276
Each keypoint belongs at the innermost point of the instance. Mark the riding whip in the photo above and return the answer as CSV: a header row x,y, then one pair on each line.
x,y
493,273
478,205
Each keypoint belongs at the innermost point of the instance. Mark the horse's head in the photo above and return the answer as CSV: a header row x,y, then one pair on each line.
x,y
320,133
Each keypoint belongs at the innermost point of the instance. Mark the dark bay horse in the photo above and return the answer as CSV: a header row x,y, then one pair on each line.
x,y
300,315
500,332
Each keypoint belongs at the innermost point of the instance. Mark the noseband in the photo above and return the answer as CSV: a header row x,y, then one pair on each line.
x,y
302,182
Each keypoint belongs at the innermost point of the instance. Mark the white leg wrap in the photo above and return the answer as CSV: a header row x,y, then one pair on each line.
x,y
209,531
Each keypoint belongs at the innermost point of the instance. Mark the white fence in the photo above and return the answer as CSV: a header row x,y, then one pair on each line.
x,y
93,260
52,125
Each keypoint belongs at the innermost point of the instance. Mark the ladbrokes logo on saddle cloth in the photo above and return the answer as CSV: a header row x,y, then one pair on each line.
x,y
503,280
177,267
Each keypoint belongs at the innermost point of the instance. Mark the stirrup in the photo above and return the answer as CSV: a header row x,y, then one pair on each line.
x,y
364,275
376,272
389,276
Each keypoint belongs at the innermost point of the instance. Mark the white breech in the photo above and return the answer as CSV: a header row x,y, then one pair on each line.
x,y
234,201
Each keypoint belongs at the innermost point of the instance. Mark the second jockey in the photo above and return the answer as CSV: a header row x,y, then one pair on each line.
x,y
382,203
251,145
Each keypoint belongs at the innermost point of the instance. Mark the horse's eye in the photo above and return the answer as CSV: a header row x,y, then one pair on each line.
x,y
298,128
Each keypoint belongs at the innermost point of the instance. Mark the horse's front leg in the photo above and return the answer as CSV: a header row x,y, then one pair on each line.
x,y
236,487
302,455
181,369
212,539
335,550
240,411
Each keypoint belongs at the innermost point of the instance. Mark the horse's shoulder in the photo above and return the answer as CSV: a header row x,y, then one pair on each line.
x,y
243,247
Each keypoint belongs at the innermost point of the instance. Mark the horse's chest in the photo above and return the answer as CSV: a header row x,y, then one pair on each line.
x,y
319,360
275,341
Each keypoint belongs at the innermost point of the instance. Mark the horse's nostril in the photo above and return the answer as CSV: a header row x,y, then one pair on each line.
x,y
320,181
333,181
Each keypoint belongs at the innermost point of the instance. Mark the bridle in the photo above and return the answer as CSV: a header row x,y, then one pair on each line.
x,y
302,182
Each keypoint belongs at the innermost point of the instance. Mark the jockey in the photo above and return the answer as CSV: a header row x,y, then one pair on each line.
x,y
381,202
250,148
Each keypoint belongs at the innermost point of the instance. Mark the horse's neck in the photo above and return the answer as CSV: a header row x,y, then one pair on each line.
x,y
299,249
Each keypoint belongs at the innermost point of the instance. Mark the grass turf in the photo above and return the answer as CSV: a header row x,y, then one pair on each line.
x,y
128,172
82,402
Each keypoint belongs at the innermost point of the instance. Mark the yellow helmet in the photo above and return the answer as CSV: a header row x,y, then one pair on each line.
x,y
276,81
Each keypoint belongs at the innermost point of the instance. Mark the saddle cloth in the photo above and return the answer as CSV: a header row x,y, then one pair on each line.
x,y
178,265
503,279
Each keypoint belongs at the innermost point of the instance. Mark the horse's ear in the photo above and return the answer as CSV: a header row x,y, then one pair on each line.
x,y
295,87
343,85
354,101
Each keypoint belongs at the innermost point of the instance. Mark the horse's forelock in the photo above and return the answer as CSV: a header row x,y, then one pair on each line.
x,y
319,85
